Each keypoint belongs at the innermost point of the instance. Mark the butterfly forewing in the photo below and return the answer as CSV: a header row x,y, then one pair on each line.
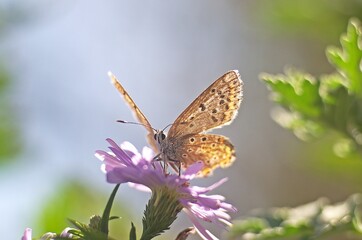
x,y
215,107
136,111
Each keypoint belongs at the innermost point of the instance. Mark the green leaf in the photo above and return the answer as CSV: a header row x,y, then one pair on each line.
x,y
302,127
107,211
296,91
132,234
347,59
88,233
329,86
114,217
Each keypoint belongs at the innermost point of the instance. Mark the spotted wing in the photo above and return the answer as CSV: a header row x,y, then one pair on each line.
x,y
136,111
213,150
216,106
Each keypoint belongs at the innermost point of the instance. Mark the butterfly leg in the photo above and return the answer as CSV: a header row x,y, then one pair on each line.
x,y
165,167
176,168
172,162
158,158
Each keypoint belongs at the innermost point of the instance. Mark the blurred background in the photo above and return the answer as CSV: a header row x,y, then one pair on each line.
x,y
57,105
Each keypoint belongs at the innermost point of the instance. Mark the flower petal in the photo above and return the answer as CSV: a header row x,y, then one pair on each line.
x,y
201,230
147,153
27,234
65,233
192,170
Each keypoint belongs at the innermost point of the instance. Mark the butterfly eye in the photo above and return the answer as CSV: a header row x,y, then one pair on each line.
x,y
163,136
155,136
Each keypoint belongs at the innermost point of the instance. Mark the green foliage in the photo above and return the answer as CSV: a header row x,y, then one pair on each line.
x,y
313,106
314,220
348,59
310,107
75,201
10,144
297,90
9,141
323,20
86,232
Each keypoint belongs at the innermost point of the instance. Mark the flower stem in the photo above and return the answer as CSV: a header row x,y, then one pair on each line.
x,y
161,211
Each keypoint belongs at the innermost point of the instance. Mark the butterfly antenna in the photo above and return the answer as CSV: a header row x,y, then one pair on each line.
x,y
167,127
136,123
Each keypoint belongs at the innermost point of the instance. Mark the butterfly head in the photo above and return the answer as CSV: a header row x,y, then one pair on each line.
x,y
159,136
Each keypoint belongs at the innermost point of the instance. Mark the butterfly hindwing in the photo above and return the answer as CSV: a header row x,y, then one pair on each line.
x,y
213,150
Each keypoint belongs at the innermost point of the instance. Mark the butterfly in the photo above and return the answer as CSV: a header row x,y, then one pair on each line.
x,y
187,141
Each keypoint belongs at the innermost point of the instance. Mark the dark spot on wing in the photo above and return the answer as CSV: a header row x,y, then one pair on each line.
x,y
202,106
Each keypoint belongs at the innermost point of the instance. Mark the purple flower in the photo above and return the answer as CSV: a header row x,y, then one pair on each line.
x,y
126,165
27,234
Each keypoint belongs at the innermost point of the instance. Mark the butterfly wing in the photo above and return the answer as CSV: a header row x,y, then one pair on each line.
x,y
136,111
213,150
216,106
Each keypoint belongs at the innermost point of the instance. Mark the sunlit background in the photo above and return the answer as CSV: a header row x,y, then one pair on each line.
x,y
58,106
